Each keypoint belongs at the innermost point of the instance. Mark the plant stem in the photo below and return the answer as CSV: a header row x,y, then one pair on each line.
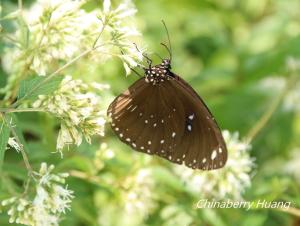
x,y
99,35
20,5
271,110
10,110
291,210
23,152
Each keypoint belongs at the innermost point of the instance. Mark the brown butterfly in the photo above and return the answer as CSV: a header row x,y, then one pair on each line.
x,y
161,114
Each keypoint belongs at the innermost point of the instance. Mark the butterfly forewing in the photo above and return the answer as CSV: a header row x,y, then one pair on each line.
x,y
170,120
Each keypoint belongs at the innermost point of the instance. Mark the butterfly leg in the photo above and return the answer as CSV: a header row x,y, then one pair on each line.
x,y
149,61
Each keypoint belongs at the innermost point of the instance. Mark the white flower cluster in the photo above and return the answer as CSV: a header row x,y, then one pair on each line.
x,y
121,34
50,201
293,64
101,155
136,199
78,108
175,215
292,167
272,84
138,193
54,32
292,99
227,182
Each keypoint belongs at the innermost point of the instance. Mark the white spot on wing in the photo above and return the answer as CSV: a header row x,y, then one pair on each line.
x,y
189,127
134,108
191,117
173,134
213,155
149,142
204,160
162,141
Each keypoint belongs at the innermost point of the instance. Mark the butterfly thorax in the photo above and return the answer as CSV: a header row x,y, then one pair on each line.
x,y
159,73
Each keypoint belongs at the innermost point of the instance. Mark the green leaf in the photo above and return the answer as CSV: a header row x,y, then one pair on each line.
x,y
4,135
32,87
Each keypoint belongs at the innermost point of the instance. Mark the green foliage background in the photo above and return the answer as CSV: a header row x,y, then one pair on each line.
x,y
224,49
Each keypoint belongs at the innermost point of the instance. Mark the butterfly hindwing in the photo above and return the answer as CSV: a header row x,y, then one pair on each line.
x,y
205,146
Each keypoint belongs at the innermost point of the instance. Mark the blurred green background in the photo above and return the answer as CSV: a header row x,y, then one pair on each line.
x,y
226,49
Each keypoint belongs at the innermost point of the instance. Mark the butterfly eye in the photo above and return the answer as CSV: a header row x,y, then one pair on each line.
x,y
166,63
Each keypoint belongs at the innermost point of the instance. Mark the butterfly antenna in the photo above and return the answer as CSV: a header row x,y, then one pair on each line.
x,y
169,48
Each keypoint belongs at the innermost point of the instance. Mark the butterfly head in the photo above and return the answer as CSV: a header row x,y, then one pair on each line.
x,y
166,63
